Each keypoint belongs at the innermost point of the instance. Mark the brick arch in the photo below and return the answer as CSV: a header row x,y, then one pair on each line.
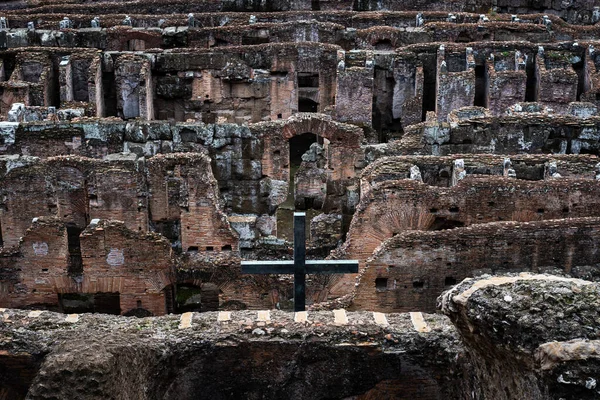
x,y
376,222
338,134
370,37
377,219
344,143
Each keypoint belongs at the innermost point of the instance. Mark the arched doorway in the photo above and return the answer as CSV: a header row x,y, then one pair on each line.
x,y
198,298
307,105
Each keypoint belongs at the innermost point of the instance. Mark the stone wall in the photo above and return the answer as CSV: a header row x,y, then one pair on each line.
x,y
107,258
510,335
409,271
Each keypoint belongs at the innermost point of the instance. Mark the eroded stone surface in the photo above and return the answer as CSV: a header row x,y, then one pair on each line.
x,y
102,356
535,335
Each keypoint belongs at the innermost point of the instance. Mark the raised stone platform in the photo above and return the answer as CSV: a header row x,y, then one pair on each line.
x,y
517,336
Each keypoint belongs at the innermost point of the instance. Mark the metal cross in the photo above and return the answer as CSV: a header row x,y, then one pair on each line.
x,y
300,266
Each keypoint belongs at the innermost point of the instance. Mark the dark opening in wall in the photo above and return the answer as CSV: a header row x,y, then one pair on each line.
x,y
220,43
464,37
384,45
381,284
107,303
80,80
75,266
315,5
250,40
441,223
449,281
227,247
579,70
383,98
210,297
139,311
77,303
418,284
531,83
210,248
171,230
192,249
308,80
307,105
188,298
300,145
429,83
110,94
481,86
188,135
589,151
9,66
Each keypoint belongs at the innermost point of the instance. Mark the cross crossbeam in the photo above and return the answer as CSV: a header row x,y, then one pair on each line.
x,y
299,266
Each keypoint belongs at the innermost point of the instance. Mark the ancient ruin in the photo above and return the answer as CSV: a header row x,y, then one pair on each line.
x,y
148,148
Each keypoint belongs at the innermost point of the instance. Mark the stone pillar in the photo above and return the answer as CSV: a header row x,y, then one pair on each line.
x,y
134,87
354,94
407,103
283,96
455,83
65,79
96,87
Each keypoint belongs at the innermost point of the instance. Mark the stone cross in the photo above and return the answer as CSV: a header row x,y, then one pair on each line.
x,y
3,23
95,22
300,266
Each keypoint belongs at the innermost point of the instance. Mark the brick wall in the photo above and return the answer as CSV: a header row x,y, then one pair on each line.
x,y
409,271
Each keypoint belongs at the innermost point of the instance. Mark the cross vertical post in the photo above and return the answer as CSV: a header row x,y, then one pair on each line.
x,y
299,267
299,261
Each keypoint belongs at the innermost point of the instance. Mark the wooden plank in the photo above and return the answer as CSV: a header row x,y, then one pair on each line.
x,y
263,316
72,318
380,318
301,316
268,267
340,317
35,313
186,320
332,267
419,322
224,316
312,267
